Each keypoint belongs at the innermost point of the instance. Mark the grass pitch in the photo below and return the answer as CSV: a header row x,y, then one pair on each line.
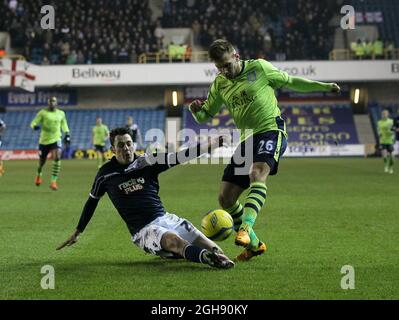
x,y
320,215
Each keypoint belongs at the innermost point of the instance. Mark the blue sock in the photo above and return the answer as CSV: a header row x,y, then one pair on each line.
x,y
193,253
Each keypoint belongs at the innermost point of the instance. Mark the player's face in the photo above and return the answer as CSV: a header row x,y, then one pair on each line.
x,y
99,121
229,65
124,149
385,114
52,103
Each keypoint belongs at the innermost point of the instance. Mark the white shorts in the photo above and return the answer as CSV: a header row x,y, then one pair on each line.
x,y
149,237
396,148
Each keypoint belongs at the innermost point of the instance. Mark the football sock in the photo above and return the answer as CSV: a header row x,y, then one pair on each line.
x,y
254,244
253,204
193,253
56,170
99,160
39,171
386,162
390,161
236,213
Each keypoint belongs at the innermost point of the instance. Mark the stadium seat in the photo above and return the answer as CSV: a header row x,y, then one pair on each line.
x,y
19,135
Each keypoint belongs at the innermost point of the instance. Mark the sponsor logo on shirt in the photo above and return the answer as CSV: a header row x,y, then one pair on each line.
x,y
132,185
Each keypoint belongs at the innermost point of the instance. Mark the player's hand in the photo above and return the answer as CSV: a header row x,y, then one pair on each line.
x,y
196,106
219,141
335,88
67,138
72,239
36,128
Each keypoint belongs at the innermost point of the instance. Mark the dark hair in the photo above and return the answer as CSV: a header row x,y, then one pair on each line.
x,y
117,132
218,48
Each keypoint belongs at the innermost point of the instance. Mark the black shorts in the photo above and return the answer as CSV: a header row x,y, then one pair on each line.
x,y
387,147
265,147
44,149
99,148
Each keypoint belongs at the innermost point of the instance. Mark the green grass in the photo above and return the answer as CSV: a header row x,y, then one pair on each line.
x,y
320,214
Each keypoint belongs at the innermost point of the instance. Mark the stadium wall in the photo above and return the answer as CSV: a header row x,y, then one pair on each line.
x,y
120,97
26,75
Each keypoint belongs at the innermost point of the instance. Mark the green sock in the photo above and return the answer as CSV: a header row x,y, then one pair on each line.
x,y
390,162
236,212
39,171
254,240
253,204
99,160
56,170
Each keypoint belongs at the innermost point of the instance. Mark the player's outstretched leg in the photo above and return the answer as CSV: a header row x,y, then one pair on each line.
x,y
173,243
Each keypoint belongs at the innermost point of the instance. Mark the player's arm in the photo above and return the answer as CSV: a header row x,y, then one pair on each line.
x,y
164,161
203,111
87,213
97,191
92,136
37,120
379,129
64,125
279,79
65,129
305,85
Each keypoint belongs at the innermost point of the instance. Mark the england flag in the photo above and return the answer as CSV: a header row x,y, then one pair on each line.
x,y
17,73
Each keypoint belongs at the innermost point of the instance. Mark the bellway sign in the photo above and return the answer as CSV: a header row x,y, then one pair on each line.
x,y
203,73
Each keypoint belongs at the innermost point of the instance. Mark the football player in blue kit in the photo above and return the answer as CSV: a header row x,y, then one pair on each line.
x,y
131,182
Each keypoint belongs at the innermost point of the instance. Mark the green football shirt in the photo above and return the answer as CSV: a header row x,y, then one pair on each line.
x,y
385,131
51,122
250,97
100,133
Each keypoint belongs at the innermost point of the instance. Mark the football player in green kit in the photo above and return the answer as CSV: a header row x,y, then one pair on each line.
x,y
246,88
100,133
387,139
50,121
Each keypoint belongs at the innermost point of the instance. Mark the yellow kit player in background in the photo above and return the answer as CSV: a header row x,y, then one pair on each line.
x,y
386,139
52,122
100,135
246,88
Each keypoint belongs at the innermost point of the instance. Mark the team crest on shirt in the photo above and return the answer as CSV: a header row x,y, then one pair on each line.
x,y
251,76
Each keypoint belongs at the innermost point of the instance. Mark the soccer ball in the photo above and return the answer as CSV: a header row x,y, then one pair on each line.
x,y
217,225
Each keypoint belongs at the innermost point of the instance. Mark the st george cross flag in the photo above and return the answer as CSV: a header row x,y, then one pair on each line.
x,y
16,73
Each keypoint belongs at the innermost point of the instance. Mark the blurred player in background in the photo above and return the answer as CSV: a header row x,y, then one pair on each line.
x,y
247,89
131,182
386,139
51,121
2,129
396,128
134,132
100,135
